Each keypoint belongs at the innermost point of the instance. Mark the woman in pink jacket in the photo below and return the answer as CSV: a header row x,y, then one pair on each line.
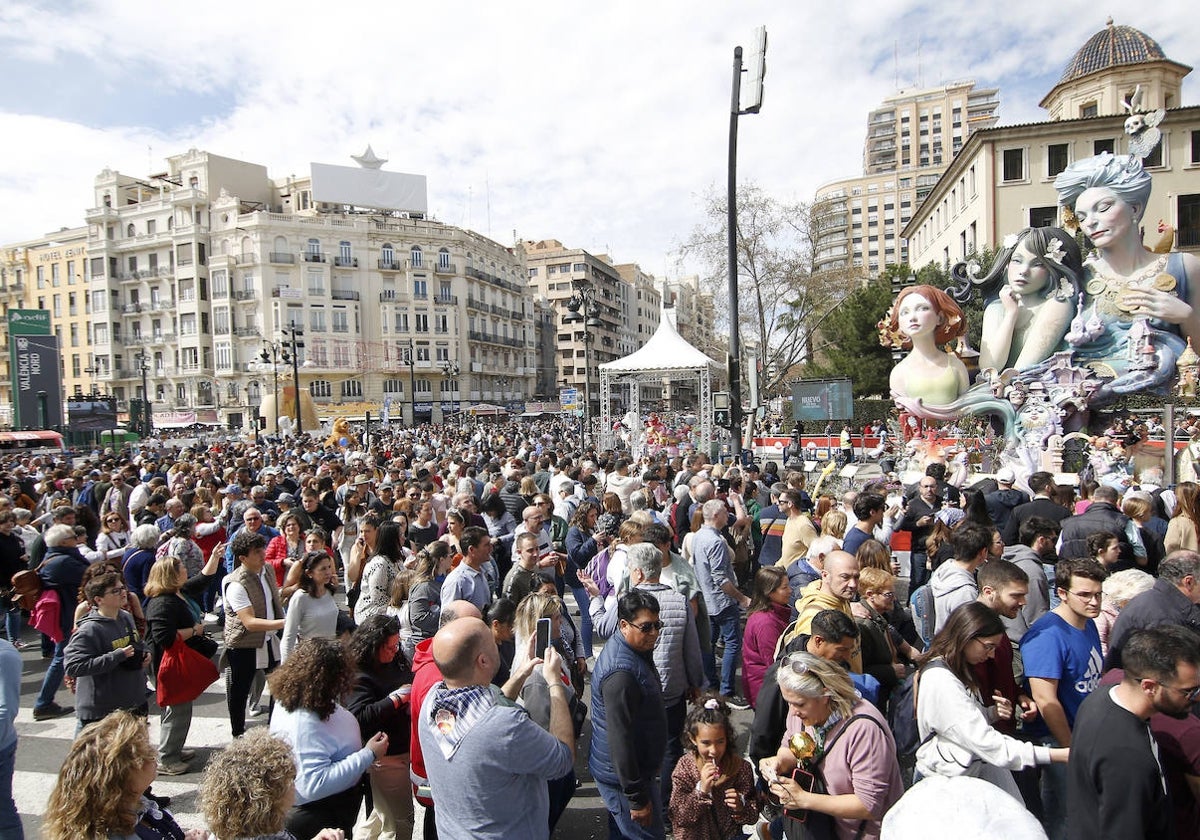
x,y
770,611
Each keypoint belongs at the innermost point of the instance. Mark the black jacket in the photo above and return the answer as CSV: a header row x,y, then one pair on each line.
x,y
372,706
1042,507
1099,517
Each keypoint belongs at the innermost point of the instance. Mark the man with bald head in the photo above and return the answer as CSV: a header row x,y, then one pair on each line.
x,y
834,591
487,762
425,676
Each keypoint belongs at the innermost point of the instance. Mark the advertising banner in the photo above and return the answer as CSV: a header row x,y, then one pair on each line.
x,y
823,399
36,381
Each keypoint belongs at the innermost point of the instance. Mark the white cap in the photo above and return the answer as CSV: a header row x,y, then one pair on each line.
x,y
1005,475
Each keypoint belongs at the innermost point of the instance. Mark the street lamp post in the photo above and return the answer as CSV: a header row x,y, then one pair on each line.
x,y
272,354
411,361
585,298
147,422
449,370
295,345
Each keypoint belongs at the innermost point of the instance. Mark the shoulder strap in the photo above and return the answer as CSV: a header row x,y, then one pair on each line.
x,y
845,726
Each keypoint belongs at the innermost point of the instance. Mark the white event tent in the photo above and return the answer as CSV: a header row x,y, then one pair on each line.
x,y
666,356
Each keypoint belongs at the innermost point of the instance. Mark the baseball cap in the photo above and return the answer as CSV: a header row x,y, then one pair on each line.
x,y
233,490
1005,475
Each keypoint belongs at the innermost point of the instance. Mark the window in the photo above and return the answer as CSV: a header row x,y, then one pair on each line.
x,y
401,322
187,324
1014,165
341,321
387,254
423,387
1091,109
316,319
415,256
1057,158
1155,158
151,226
444,258
75,336
55,278
1195,156
1099,147
220,283
422,353
422,322
130,231
1188,235
533,272
441,323
393,386
352,388
344,252
313,249
420,288
1043,216
41,276
320,388
58,306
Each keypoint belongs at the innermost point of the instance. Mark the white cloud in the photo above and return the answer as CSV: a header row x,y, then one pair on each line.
x,y
599,125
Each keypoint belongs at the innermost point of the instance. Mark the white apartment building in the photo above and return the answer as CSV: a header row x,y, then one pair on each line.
x,y
199,271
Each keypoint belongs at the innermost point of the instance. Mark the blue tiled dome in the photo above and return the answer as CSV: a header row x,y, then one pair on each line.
x,y
1112,46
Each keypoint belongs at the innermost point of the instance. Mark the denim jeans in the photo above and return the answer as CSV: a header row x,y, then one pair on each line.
x,y
585,618
676,717
52,682
1054,795
620,825
726,625
10,822
12,624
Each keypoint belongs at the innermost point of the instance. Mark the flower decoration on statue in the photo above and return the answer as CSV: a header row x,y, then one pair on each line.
x,y
1054,251
889,337
1010,242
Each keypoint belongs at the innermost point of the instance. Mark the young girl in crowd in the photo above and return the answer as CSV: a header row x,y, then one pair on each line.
x,y
712,794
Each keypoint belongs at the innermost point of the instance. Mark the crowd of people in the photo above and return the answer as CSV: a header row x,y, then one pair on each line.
x,y
402,614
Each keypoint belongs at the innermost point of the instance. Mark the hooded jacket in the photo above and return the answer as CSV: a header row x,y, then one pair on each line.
x,y
812,602
1037,602
106,679
952,586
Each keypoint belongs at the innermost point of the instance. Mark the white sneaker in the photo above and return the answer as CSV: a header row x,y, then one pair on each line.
x,y
256,711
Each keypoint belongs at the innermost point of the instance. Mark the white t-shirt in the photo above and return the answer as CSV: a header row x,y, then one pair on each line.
x,y
238,599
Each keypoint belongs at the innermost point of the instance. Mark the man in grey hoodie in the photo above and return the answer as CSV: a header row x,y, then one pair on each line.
x,y
105,655
1036,549
953,584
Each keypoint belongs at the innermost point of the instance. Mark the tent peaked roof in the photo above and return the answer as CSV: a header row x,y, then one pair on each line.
x,y
666,350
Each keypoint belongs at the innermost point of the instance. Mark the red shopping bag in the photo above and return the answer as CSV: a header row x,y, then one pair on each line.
x,y
183,674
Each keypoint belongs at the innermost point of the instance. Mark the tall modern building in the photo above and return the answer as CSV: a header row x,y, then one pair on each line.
x,y
1003,180
199,274
911,138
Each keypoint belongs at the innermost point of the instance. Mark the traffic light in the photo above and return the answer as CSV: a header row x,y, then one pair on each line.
x,y
722,410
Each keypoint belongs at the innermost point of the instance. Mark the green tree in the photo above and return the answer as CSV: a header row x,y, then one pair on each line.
x,y
781,301
848,341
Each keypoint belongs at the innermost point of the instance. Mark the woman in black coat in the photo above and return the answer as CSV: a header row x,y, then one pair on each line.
x,y
173,610
379,700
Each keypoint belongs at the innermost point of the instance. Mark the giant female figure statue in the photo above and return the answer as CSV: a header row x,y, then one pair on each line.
x,y
1148,303
925,318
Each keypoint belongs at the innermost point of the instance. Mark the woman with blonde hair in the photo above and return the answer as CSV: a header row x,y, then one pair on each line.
x,y
834,523
1183,531
172,612
98,794
862,775
248,788
535,693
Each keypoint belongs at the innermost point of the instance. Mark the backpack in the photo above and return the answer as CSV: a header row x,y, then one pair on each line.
x,y
902,713
87,496
924,612
597,570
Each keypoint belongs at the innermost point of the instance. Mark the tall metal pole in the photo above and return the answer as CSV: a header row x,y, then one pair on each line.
x,y
296,379
412,380
735,343
587,384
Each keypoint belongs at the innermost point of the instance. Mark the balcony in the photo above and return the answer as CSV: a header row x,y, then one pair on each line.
x,y
162,338
162,305
446,300
444,268
245,294
387,296
282,258
247,259
345,294
131,309
476,303
310,257
391,265
346,262
247,332
101,214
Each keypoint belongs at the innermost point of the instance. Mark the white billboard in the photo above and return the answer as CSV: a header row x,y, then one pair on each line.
x,y
372,188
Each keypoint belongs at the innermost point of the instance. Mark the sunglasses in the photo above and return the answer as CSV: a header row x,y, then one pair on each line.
x,y
648,626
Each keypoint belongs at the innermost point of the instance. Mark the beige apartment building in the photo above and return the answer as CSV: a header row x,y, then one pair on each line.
x,y
911,138
49,273
1003,180
197,272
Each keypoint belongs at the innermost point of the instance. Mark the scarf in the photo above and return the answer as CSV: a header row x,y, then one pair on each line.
x,y
455,712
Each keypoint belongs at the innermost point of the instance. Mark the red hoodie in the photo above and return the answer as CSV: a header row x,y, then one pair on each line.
x,y
425,676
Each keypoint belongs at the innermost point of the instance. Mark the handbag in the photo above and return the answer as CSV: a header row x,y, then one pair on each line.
x,y
183,674
206,646
814,825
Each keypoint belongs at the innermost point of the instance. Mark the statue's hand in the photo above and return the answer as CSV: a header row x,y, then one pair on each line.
x,y
1009,299
1152,303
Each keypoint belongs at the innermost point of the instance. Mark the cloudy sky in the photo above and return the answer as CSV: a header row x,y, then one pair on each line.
x,y
597,124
